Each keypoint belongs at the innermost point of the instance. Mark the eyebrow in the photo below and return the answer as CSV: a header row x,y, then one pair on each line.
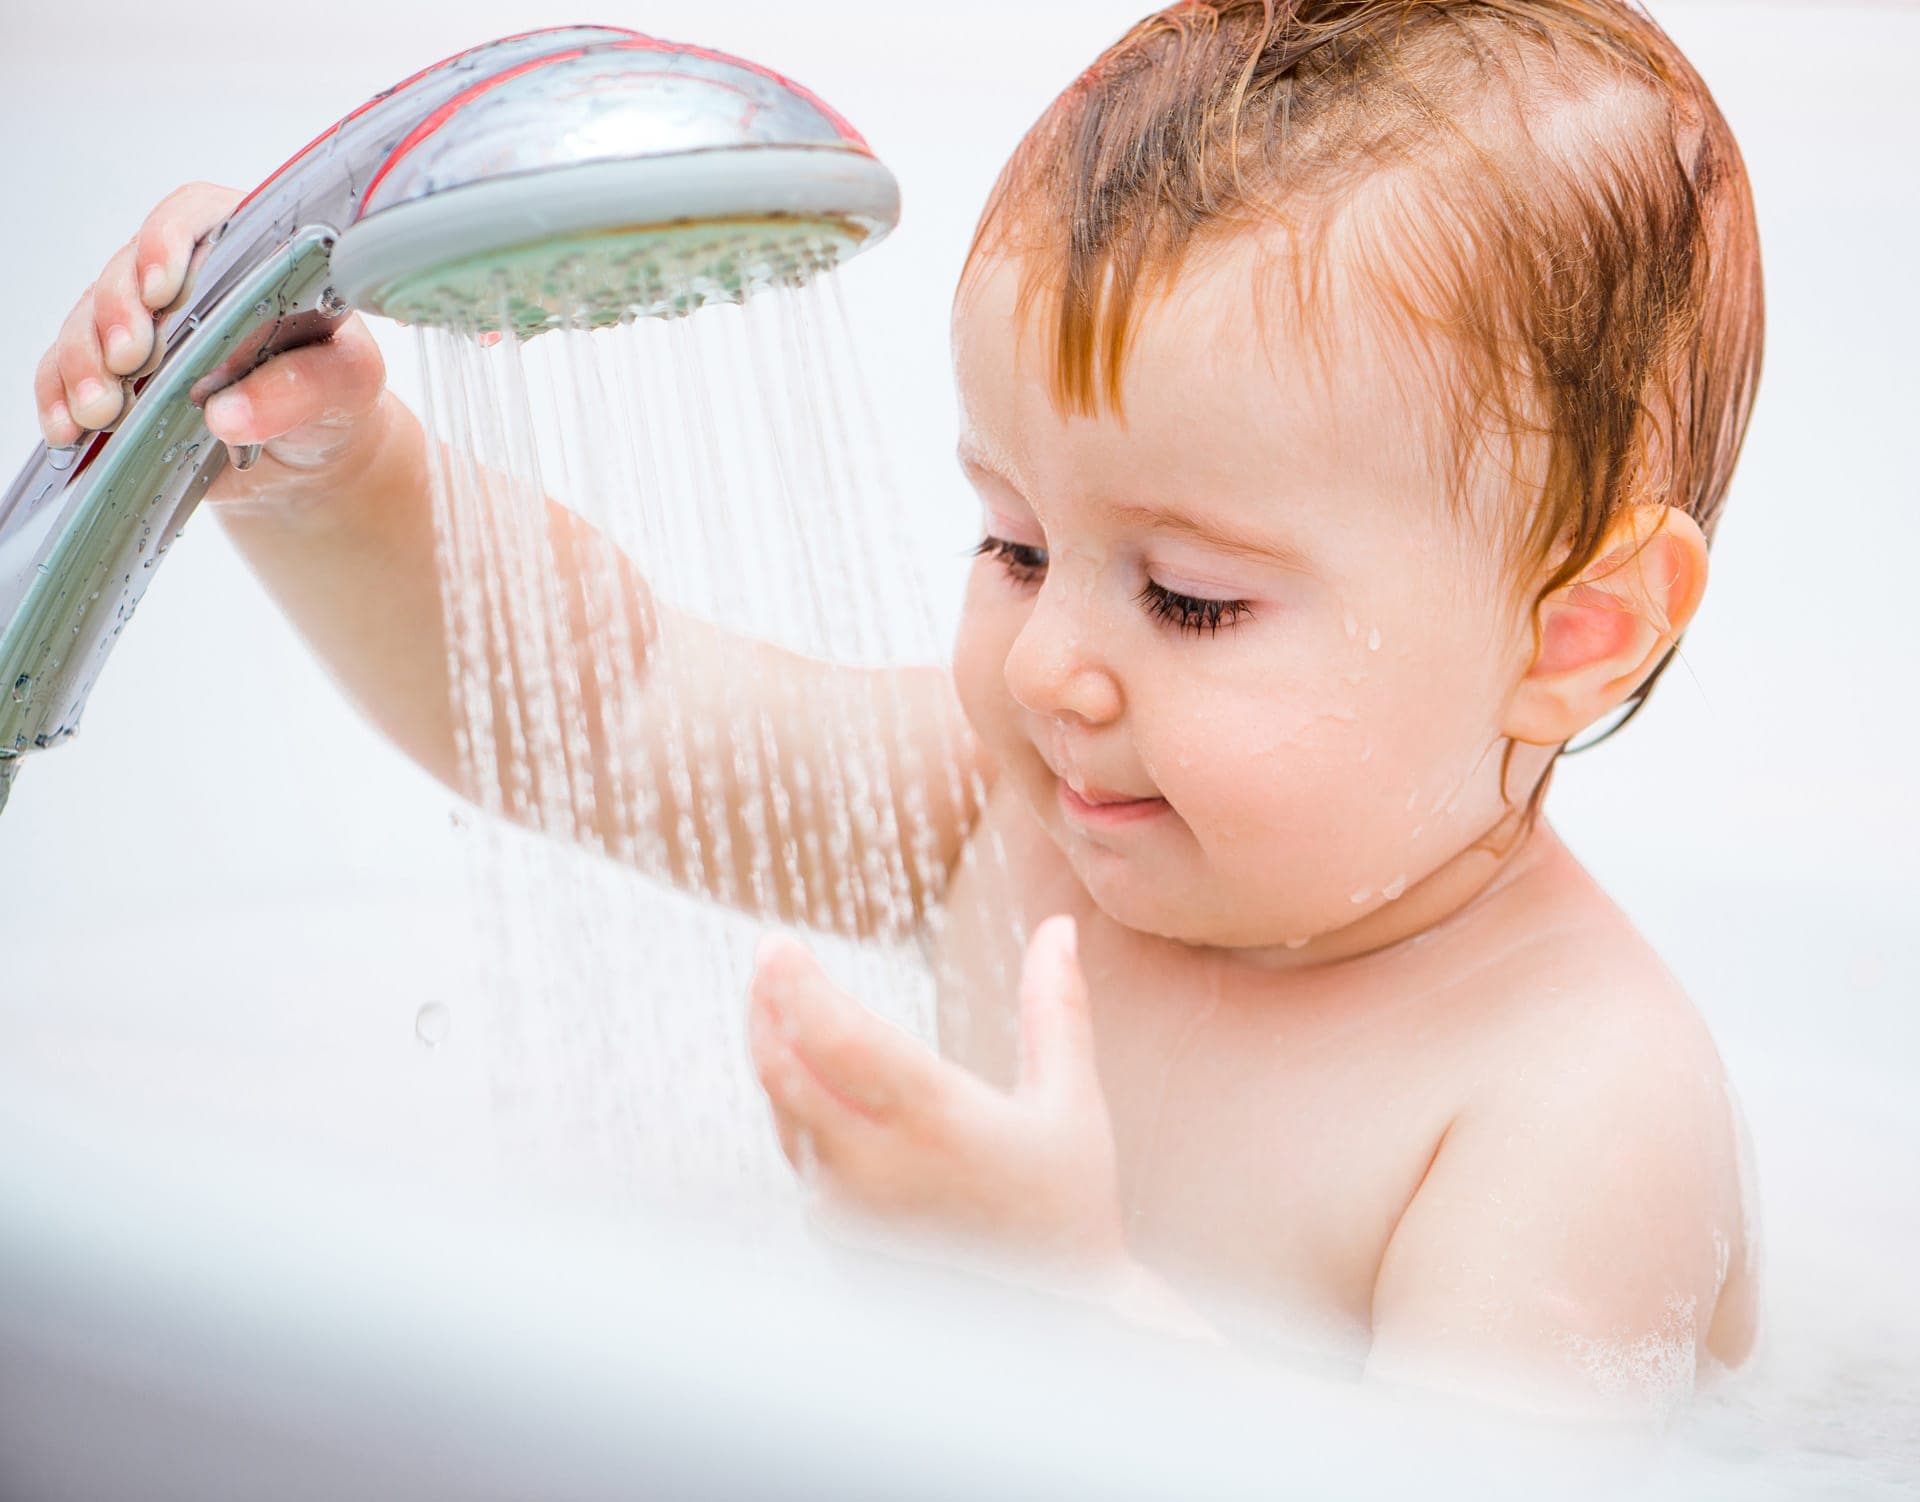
x,y
1169,518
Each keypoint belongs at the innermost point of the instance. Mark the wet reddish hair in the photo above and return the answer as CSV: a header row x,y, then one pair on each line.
x,y
1540,197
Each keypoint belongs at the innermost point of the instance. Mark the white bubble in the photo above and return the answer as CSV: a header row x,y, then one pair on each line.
x,y
432,1023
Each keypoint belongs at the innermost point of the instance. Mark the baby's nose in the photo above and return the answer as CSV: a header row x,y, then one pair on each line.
x,y
1056,666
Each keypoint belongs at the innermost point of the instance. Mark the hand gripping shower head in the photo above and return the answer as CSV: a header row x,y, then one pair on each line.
x,y
572,177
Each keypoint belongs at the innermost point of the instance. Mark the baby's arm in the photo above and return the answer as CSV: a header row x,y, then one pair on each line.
x,y
777,783
1569,1244
337,520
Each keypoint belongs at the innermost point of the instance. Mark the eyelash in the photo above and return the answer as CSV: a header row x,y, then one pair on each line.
x,y
1026,565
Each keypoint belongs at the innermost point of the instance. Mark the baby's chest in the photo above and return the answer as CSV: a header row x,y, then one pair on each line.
x,y
1267,1141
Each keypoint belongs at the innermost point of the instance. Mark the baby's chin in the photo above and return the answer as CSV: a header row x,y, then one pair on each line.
x,y
1141,894
1156,901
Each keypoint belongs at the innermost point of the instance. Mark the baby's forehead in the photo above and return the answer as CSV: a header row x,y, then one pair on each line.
x,y
1220,375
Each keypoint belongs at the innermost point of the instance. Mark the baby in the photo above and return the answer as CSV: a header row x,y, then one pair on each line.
x,y
1350,388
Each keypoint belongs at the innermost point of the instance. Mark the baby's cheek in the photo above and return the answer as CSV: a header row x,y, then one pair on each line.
x,y
979,668
1305,801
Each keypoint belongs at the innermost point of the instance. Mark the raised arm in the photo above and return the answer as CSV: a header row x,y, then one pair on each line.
x,y
816,794
808,792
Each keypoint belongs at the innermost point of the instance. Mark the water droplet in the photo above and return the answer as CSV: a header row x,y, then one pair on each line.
x,y
1298,943
1394,888
262,308
1360,897
1353,626
1373,640
1366,753
431,1023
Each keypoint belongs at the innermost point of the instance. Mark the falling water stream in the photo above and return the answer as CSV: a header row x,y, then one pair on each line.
x,y
728,461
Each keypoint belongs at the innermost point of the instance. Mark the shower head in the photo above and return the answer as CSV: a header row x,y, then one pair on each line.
x,y
571,177
625,179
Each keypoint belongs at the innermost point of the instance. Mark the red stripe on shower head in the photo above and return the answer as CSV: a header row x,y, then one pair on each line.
x,y
446,111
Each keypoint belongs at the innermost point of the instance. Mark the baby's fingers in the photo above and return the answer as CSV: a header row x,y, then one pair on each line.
x,y
332,385
874,1066
122,324
166,240
93,398
50,400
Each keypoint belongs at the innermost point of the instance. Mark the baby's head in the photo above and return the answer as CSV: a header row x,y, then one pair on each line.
x,y
1351,387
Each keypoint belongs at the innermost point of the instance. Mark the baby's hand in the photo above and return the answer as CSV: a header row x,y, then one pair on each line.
x,y
893,1139
307,406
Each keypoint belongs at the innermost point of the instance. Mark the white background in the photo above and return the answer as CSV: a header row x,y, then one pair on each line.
x,y
227,889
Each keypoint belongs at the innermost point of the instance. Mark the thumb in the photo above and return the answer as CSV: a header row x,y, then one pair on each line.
x,y
1056,1030
308,405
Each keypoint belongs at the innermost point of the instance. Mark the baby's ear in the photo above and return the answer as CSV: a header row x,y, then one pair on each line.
x,y
1603,634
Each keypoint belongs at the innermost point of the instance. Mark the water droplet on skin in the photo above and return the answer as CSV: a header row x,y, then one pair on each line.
x,y
1366,753
1394,888
1353,626
1373,640
1360,897
431,1023
1298,943
1413,795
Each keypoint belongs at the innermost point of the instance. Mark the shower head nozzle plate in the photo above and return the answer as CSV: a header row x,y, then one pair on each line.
x,y
594,244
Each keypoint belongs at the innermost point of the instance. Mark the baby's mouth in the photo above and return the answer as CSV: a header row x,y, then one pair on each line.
x,y
1100,797
1103,808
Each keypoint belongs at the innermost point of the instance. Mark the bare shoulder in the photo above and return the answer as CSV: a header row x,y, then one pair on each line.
x,y
1600,1124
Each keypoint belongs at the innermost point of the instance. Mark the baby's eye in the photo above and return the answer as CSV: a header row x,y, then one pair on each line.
x,y
1024,564
1190,614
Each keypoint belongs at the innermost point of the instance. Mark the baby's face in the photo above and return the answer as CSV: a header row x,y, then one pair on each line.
x,y
1238,654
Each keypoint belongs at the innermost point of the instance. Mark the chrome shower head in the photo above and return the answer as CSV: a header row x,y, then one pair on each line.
x,y
626,179
576,176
